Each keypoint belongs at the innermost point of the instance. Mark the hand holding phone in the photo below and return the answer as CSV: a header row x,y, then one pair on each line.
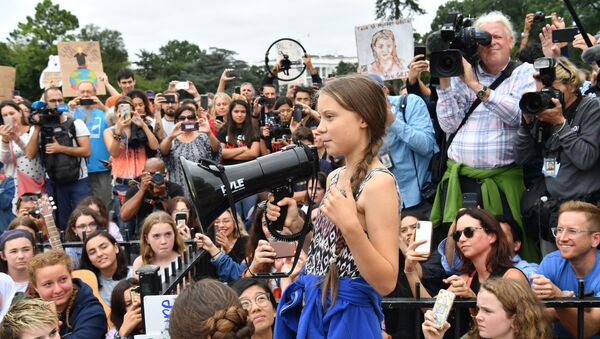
x,y
423,232
283,249
182,85
442,307
564,35
125,110
420,50
204,101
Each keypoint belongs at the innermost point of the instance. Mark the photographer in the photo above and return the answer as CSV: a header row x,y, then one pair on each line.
x,y
565,136
265,101
275,127
63,144
480,157
151,194
165,105
304,96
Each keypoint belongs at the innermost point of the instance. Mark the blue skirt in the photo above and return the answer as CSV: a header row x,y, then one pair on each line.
x,y
356,313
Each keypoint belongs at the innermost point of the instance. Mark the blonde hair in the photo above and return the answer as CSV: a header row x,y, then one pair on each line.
x,y
219,95
520,303
568,73
26,315
48,258
591,212
389,35
499,17
151,220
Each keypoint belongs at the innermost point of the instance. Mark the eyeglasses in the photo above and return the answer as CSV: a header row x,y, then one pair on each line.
x,y
222,221
467,231
186,117
570,232
91,225
260,300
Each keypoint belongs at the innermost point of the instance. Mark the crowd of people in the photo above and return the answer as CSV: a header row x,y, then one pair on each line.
x,y
515,211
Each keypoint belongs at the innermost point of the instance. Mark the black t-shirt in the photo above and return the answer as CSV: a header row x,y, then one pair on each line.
x,y
239,141
151,203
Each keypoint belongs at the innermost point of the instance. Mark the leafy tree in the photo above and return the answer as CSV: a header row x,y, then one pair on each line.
x,y
392,9
346,68
112,47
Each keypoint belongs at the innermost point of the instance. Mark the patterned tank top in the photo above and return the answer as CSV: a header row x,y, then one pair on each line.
x,y
325,235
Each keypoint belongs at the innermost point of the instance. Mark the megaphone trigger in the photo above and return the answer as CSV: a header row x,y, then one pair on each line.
x,y
279,193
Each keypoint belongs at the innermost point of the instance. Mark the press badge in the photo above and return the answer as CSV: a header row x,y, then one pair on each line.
x,y
551,167
386,160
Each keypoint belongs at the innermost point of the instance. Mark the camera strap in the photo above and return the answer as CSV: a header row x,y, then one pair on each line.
x,y
505,74
403,103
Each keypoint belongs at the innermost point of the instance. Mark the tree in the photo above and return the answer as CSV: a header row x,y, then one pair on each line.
x,y
112,47
346,68
392,9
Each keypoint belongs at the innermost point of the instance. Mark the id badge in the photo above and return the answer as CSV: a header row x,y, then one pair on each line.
x,y
386,159
551,167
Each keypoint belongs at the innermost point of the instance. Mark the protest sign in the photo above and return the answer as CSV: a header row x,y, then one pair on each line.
x,y
156,313
80,61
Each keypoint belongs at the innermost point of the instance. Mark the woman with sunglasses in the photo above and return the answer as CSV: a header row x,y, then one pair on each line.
x,y
191,138
484,252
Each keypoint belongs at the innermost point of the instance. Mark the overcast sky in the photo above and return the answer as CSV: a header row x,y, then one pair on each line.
x,y
246,27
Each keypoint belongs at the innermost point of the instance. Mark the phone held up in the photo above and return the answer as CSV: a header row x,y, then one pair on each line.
x,y
180,218
125,110
423,232
442,307
421,50
283,249
204,101
182,85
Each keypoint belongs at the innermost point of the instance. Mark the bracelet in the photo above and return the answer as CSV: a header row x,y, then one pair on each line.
x,y
117,137
561,127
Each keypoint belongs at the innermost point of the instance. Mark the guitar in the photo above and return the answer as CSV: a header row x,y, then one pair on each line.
x,y
46,207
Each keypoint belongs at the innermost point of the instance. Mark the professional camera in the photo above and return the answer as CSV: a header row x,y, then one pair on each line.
x,y
263,100
158,178
535,102
48,118
277,129
461,40
540,16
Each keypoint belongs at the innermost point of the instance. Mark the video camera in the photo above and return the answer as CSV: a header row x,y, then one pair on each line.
x,y
277,129
540,16
533,103
48,118
461,40
263,100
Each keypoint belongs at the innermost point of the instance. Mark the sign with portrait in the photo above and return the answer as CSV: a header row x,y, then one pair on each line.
x,y
80,61
385,48
7,82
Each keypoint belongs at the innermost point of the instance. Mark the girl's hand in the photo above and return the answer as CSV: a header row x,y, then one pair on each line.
x,y
430,331
6,133
131,320
203,241
184,231
412,257
137,119
176,131
287,265
274,211
263,255
218,124
223,241
459,287
340,207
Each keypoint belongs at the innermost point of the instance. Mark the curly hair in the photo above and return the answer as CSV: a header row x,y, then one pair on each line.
x,y
209,309
520,303
48,258
27,315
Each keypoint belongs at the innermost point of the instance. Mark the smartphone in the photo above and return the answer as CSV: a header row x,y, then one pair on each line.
x,y
283,249
204,101
8,121
182,85
423,232
565,34
180,218
297,114
190,126
237,90
421,50
233,74
470,200
87,102
169,98
442,307
220,118
134,294
125,110
105,163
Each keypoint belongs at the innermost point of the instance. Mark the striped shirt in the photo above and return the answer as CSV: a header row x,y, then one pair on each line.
x,y
486,140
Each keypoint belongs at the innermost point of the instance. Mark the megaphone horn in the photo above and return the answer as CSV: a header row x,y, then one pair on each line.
x,y
293,163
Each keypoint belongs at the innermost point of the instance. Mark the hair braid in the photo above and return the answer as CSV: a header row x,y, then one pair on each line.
x,y
229,323
330,281
68,309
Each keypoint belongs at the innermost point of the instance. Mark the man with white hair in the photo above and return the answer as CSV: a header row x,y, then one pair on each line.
x,y
480,156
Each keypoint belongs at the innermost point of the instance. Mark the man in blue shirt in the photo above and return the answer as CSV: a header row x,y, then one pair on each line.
x,y
577,237
90,110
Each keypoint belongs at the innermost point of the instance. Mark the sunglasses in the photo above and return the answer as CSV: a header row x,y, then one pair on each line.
x,y
467,231
187,117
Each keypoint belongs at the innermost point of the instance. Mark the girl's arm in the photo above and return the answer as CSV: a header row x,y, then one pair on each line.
x,y
375,255
231,153
112,145
249,153
152,141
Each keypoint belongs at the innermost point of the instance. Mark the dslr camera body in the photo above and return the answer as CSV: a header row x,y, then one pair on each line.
x,y
49,119
462,40
533,103
277,129
263,100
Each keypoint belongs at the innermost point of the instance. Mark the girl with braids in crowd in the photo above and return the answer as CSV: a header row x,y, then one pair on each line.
x,y
209,309
353,257
32,318
81,314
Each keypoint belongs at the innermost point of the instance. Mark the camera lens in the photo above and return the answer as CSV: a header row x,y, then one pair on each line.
x,y
158,178
531,103
446,64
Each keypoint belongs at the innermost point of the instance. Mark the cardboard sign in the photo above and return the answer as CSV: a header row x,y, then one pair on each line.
x,y
385,48
7,82
80,61
156,313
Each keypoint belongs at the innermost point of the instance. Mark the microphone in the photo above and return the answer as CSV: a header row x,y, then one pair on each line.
x,y
591,55
435,42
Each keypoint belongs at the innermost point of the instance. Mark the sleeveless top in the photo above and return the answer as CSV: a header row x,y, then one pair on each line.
x,y
322,248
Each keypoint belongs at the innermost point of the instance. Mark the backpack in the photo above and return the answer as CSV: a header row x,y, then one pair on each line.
x,y
61,168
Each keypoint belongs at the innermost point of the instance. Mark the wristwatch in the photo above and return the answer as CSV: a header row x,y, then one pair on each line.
x,y
482,92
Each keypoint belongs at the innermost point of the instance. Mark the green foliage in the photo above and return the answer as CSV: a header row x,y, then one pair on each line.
x,y
393,9
112,47
346,68
49,25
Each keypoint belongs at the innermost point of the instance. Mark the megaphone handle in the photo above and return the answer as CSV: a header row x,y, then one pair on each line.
x,y
278,194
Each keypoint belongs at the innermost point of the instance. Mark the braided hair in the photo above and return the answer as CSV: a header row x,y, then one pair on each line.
x,y
365,97
208,309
